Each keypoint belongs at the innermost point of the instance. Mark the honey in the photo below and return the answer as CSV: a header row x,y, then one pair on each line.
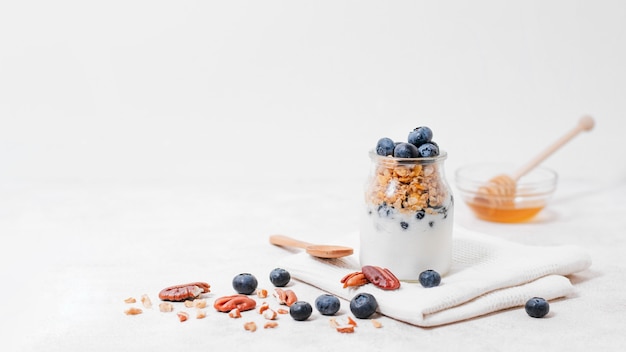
x,y
505,213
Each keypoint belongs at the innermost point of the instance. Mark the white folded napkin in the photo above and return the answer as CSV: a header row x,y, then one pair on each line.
x,y
488,274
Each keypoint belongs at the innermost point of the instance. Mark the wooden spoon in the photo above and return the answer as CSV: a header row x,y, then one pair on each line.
x,y
501,189
316,250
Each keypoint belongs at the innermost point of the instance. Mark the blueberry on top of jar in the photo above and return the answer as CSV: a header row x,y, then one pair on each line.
x,y
405,150
385,146
427,150
420,135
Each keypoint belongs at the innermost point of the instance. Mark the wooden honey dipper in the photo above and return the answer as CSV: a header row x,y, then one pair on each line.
x,y
501,189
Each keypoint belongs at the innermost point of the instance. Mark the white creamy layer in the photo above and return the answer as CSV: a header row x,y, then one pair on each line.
x,y
406,244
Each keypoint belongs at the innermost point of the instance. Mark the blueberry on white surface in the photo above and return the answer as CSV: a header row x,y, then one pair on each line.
x,y
537,307
405,150
327,304
385,146
300,310
420,135
430,278
363,305
245,283
280,277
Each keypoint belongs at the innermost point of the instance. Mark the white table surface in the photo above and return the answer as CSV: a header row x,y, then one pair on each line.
x,y
79,250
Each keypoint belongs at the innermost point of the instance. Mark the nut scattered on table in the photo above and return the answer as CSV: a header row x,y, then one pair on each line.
x,y
179,293
250,326
263,307
285,297
381,277
270,325
145,300
235,313
354,279
199,303
166,307
227,303
133,311
269,314
182,316
346,328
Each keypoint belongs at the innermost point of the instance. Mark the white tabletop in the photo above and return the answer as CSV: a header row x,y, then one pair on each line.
x,y
145,144
79,250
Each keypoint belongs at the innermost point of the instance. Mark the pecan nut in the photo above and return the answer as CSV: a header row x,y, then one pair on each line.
x,y
381,277
228,303
184,292
354,279
286,297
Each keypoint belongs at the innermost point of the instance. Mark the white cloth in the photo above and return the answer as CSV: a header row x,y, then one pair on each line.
x,y
488,275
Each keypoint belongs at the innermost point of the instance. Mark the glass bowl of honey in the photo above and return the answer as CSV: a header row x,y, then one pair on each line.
x,y
493,196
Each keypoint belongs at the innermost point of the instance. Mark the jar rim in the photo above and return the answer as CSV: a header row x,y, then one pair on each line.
x,y
443,155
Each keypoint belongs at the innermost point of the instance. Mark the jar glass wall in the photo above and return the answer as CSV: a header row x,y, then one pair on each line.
x,y
407,222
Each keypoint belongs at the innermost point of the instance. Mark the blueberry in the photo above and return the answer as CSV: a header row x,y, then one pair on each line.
x,y
245,283
280,277
443,211
300,310
327,304
405,150
385,146
404,225
537,307
430,278
363,305
420,135
427,150
420,214
384,210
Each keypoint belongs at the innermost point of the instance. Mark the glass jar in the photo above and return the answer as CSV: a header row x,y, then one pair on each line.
x,y
407,223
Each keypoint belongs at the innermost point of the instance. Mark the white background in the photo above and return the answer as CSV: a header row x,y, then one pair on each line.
x,y
211,90
136,136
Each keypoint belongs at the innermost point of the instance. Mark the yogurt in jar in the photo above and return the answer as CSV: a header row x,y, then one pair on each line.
x,y
408,220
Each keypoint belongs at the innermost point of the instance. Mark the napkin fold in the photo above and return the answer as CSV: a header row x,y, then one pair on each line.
x,y
488,274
